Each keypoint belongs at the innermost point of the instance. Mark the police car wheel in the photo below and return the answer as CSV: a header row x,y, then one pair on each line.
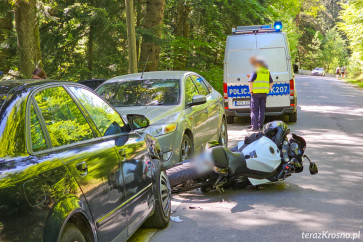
x,y
230,120
293,117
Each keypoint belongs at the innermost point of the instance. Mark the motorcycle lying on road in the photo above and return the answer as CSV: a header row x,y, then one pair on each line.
x,y
264,157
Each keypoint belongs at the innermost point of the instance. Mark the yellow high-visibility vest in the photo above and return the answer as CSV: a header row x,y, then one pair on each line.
x,y
262,82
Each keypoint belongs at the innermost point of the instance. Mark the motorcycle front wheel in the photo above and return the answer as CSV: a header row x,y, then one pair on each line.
x,y
181,174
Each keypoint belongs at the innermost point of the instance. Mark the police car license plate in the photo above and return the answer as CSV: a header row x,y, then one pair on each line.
x,y
241,103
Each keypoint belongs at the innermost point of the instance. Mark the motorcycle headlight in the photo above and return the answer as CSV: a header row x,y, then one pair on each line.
x,y
159,130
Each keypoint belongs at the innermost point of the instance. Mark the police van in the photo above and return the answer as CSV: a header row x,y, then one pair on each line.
x,y
269,43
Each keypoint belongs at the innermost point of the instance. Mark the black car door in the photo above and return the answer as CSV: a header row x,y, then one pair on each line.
x,y
132,152
138,181
90,157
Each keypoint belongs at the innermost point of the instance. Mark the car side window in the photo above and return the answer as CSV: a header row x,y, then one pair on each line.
x,y
106,119
36,132
64,120
207,85
190,89
202,88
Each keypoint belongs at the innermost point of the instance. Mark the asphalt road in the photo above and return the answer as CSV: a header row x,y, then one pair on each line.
x,y
330,118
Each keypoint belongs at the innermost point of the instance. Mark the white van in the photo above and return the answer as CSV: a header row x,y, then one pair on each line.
x,y
271,44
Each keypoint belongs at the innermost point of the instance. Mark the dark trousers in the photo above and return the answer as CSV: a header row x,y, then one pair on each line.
x,y
258,107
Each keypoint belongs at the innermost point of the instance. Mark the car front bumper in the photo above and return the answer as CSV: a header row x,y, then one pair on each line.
x,y
170,143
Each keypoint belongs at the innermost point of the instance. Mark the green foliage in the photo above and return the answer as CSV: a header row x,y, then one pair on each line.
x,y
314,57
352,26
202,48
321,43
214,75
87,39
334,50
83,40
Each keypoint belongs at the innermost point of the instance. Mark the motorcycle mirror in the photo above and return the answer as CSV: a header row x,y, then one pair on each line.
x,y
313,168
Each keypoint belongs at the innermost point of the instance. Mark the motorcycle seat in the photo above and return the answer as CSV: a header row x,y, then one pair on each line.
x,y
224,158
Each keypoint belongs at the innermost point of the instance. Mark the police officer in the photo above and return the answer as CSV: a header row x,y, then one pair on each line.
x,y
260,84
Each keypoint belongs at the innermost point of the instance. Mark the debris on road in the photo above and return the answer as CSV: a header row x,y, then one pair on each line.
x,y
195,207
176,219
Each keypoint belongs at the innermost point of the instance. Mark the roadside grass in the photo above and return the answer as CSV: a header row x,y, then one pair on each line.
x,y
355,82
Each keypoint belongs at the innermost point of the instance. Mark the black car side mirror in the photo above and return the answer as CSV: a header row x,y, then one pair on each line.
x,y
137,121
198,100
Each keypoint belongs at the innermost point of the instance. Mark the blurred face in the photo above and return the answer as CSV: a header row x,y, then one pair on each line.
x,y
253,61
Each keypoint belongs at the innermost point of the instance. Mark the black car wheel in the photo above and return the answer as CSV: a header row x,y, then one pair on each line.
x,y
223,135
72,234
293,117
186,149
161,216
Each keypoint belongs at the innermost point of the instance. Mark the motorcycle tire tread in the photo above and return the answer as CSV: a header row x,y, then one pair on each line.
x,y
181,173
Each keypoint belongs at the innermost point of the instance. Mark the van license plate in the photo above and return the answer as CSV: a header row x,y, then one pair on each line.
x,y
241,103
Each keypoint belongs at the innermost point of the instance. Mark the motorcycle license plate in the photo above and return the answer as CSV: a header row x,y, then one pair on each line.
x,y
242,103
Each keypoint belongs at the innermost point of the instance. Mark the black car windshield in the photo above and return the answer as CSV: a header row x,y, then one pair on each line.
x,y
150,92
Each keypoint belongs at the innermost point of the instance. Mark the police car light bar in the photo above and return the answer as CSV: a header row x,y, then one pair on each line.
x,y
258,28
278,26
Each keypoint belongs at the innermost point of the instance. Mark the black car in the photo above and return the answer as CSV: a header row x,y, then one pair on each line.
x,y
71,169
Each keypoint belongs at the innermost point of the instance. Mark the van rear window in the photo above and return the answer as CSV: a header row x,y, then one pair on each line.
x,y
275,59
239,60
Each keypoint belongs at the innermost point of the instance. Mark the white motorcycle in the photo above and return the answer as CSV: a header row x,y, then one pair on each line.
x,y
263,157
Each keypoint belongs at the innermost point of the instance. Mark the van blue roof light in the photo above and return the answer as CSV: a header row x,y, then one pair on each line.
x,y
278,26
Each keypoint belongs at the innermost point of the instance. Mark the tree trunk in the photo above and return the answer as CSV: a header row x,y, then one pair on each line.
x,y
138,24
27,30
150,47
181,31
131,36
90,51
6,26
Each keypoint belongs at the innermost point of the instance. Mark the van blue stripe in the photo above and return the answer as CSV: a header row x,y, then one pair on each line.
x,y
242,91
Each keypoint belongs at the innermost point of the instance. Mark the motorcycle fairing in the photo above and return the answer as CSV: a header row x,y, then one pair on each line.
x,y
256,182
267,158
236,163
